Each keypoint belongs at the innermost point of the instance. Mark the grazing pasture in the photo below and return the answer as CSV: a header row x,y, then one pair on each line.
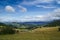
x,y
50,33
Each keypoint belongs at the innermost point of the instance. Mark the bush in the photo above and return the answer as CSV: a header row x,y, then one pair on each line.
x,y
7,30
58,29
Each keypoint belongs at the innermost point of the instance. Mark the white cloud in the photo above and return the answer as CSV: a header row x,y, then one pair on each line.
x,y
58,1
42,6
27,18
36,18
56,12
6,18
47,1
36,2
9,9
54,15
27,3
23,9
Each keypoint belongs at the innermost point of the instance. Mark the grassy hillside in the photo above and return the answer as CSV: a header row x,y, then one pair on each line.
x,y
51,33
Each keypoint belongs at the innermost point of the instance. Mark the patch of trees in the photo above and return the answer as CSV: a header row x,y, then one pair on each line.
x,y
7,30
53,23
58,29
2,24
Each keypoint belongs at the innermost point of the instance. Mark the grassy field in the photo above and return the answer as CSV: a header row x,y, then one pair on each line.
x,y
51,33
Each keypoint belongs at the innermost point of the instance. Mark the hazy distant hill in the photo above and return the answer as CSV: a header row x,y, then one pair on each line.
x,y
31,23
28,25
19,24
37,23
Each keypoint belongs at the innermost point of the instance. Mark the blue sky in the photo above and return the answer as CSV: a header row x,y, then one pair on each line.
x,y
29,10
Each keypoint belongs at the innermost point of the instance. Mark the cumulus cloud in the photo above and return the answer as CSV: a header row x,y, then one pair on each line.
x,y
56,12
9,8
54,15
23,9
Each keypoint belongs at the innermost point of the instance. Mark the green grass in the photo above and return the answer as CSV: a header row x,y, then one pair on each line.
x,y
37,34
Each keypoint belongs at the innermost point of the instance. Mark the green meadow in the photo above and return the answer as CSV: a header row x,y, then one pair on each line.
x,y
47,33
